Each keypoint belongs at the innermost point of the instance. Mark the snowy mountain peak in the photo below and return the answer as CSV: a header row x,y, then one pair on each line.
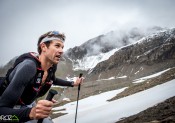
x,y
94,51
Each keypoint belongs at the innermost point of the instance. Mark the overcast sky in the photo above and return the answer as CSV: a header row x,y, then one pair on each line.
x,y
23,21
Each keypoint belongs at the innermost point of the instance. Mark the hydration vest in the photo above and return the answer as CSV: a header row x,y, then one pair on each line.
x,y
36,88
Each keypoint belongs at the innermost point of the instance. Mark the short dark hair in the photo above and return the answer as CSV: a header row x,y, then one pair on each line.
x,y
59,35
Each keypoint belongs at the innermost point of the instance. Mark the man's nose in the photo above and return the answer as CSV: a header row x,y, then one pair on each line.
x,y
60,50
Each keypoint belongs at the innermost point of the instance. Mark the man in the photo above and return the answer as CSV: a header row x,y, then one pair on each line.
x,y
31,77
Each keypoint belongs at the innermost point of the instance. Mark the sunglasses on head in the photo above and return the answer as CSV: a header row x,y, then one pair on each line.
x,y
53,33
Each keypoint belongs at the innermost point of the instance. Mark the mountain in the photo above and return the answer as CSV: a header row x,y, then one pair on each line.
x,y
97,47
3,69
124,65
96,56
119,59
148,55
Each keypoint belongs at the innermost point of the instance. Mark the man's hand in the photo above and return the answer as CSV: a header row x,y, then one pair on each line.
x,y
41,110
78,81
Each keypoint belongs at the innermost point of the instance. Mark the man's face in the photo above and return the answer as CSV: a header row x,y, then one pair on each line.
x,y
54,52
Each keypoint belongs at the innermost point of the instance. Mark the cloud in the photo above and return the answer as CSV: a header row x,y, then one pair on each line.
x,y
22,22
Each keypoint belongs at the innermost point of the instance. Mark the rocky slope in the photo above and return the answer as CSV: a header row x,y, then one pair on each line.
x,y
135,56
149,55
162,113
139,59
103,44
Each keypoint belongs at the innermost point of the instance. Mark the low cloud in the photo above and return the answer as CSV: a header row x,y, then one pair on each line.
x,y
22,22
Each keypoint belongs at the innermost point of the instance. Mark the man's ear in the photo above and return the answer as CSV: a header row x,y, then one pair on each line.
x,y
43,47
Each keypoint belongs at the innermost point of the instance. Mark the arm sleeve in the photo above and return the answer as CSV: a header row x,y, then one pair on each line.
x,y
62,82
19,79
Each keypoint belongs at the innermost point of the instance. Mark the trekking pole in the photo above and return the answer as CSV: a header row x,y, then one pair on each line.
x,y
78,98
49,97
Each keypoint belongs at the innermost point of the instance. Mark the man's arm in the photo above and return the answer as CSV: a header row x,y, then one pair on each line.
x,y
62,82
19,79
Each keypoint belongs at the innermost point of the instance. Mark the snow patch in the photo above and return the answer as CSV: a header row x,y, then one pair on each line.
x,y
151,76
90,62
95,108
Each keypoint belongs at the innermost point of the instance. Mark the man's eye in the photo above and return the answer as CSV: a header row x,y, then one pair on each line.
x,y
57,45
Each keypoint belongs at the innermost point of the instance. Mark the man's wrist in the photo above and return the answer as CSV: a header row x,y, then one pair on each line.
x,y
72,83
32,113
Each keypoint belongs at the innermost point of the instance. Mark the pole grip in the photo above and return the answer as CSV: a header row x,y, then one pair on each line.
x,y
80,77
49,98
51,94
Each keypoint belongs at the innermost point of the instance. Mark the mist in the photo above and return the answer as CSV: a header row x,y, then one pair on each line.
x,y
22,22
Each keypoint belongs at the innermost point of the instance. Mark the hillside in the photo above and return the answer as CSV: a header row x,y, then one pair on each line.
x,y
147,56
96,109
162,113
115,60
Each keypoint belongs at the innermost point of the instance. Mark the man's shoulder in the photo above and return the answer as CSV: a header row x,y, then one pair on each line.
x,y
28,64
29,59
